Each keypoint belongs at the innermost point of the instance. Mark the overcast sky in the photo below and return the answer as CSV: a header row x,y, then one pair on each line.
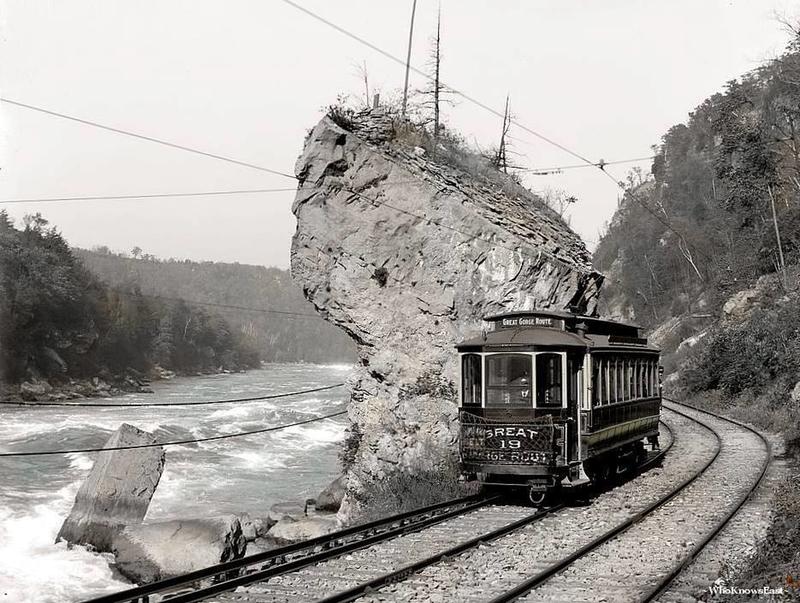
x,y
247,78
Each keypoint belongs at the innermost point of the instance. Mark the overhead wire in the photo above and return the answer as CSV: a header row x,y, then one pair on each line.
x,y
170,404
599,164
173,442
160,141
287,313
149,195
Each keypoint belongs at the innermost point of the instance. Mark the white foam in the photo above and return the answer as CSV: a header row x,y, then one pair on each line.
x,y
32,568
81,462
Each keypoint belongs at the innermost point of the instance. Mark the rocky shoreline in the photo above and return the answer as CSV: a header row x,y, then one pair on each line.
x,y
37,389
110,508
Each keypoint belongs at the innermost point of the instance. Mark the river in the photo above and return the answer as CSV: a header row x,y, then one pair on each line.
x,y
235,475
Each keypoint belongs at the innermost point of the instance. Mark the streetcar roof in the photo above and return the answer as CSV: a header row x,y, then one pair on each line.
x,y
525,338
562,315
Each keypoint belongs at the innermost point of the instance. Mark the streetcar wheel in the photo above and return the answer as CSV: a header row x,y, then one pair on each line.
x,y
537,496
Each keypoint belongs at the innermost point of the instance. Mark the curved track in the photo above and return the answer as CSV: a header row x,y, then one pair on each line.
x,y
655,571
441,549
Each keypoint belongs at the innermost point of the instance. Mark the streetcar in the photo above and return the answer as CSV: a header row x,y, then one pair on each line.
x,y
554,400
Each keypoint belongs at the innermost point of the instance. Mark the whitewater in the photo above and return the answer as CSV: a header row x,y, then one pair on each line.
x,y
237,475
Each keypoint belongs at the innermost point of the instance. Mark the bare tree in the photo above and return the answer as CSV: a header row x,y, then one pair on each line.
x,y
501,157
434,95
361,72
558,200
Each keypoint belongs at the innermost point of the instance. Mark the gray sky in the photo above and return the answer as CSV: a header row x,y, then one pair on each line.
x,y
248,78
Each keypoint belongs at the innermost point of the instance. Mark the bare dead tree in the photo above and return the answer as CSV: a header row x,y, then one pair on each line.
x,y
361,72
437,82
435,94
501,158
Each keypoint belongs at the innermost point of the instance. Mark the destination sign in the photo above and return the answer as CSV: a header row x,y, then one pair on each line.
x,y
516,322
510,443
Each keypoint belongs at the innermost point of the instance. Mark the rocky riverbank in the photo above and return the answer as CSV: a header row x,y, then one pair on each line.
x,y
37,389
110,507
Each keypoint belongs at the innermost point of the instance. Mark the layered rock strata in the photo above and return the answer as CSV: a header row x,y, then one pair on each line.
x,y
407,255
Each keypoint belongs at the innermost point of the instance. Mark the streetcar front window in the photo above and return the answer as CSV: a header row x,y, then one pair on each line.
x,y
471,380
508,380
548,381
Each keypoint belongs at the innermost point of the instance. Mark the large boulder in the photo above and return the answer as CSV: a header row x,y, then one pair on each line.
x,y
155,551
330,499
406,255
288,531
117,491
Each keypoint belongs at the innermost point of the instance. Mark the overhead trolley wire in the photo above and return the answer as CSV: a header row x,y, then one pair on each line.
x,y
599,164
169,404
150,196
160,141
174,442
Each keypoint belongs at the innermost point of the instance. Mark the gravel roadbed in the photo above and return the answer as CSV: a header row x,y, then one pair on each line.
x,y
487,571
627,567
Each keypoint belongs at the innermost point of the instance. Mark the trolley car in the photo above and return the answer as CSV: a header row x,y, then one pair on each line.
x,y
554,399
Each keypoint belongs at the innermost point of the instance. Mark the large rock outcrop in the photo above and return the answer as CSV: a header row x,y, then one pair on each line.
x,y
117,491
407,255
155,551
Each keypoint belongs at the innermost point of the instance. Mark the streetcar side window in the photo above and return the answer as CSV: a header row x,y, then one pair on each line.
x,y
548,381
508,380
597,381
471,380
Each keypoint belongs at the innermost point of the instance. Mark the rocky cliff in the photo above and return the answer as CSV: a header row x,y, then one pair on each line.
x,y
406,255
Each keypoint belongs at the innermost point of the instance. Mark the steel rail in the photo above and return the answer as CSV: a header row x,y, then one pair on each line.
x,y
316,549
274,562
404,572
665,583
527,585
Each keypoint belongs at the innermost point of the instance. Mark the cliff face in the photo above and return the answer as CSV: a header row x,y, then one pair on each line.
x,y
407,255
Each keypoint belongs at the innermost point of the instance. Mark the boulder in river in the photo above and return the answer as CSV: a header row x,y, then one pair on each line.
x,y
117,491
155,551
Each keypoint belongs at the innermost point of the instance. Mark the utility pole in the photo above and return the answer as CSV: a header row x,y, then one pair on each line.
x,y
408,57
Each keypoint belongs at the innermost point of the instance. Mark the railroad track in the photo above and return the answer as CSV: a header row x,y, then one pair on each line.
x,y
435,554
201,584
614,554
443,530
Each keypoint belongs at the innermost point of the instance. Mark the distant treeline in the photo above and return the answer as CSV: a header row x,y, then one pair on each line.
x,y
69,313
57,319
276,336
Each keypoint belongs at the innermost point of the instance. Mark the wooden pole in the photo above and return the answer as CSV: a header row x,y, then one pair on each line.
x,y
408,57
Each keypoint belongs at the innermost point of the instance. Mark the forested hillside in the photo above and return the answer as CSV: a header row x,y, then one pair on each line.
x,y
277,334
714,183
59,322
706,252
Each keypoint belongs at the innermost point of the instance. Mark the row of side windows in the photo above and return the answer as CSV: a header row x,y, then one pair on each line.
x,y
618,378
